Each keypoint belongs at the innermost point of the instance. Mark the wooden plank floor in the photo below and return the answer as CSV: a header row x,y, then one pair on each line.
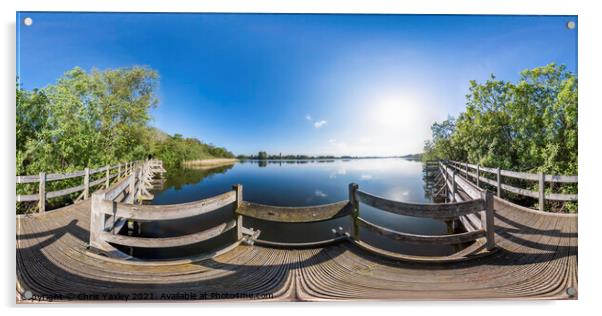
x,y
537,259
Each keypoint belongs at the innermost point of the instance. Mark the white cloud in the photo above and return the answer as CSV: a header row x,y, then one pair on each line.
x,y
319,193
308,117
319,124
366,177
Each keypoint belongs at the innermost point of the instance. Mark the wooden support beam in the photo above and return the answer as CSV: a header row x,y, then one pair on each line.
x,y
238,202
499,182
487,219
107,177
454,185
42,193
353,201
86,183
542,192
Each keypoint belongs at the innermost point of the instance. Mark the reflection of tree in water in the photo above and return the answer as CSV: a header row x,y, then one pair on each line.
x,y
176,178
430,177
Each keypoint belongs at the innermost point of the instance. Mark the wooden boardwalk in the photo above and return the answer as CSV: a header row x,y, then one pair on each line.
x,y
536,259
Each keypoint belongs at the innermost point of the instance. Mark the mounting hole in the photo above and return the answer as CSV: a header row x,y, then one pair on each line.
x,y
571,25
571,291
27,21
28,295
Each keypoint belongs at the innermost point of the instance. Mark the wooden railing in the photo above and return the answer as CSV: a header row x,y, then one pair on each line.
x,y
483,238
474,173
109,172
111,208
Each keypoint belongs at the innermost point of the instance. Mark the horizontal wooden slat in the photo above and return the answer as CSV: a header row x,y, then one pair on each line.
x,y
53,194
295,214
28,197
562,179
97,182
167,212
520,175
63,176
168,242
97,170
561,197
28,179
437,211
520,191
423,239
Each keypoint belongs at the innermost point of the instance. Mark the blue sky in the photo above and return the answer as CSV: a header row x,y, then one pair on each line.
x,y
295,83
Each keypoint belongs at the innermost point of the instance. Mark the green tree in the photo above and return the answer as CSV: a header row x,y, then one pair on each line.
x,y
530,125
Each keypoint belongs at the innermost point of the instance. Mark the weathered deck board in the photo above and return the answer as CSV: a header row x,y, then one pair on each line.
x,y
537,259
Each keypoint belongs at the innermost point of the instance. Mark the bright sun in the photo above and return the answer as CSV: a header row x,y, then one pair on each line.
x,y
393,113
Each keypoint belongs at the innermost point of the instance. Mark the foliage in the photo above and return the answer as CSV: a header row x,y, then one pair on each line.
x,y
177,149
92,119
530,125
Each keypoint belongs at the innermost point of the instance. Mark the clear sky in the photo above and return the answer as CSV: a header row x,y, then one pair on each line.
x,y
294,83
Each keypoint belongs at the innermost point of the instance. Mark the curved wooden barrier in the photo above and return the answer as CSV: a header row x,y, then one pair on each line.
x,y
169,241
141,212
424,239
295,214
430,210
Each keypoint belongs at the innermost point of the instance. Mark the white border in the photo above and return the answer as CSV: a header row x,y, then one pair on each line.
x,y
589,130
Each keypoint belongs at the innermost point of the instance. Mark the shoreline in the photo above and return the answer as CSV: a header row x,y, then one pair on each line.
x,y
209,163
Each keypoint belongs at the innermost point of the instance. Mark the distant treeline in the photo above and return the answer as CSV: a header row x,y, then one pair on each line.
x,y
96,118
528,126
262,155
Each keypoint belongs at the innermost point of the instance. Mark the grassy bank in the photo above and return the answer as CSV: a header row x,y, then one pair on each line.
x,y
209,163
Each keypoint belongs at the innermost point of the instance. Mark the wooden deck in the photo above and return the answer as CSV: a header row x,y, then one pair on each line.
x,y
536,259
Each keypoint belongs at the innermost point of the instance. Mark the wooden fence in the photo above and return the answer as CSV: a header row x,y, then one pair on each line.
x,y
112,208
116,206
109,172
475,173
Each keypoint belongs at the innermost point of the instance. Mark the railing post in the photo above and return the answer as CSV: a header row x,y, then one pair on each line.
x,y
42,192
466,170
238,190
97,221
108,180
119,170
454,186
542,191
355,210
86,183
499,182
478,176
487,219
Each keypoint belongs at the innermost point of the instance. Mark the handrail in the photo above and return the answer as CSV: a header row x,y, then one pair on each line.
x,y
521,175
306,214
167,242
541,195
450,239
119,202
123,169
481,202
143,212
429,210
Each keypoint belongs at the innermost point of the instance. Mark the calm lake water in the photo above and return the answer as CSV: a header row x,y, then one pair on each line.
x,y
299,183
